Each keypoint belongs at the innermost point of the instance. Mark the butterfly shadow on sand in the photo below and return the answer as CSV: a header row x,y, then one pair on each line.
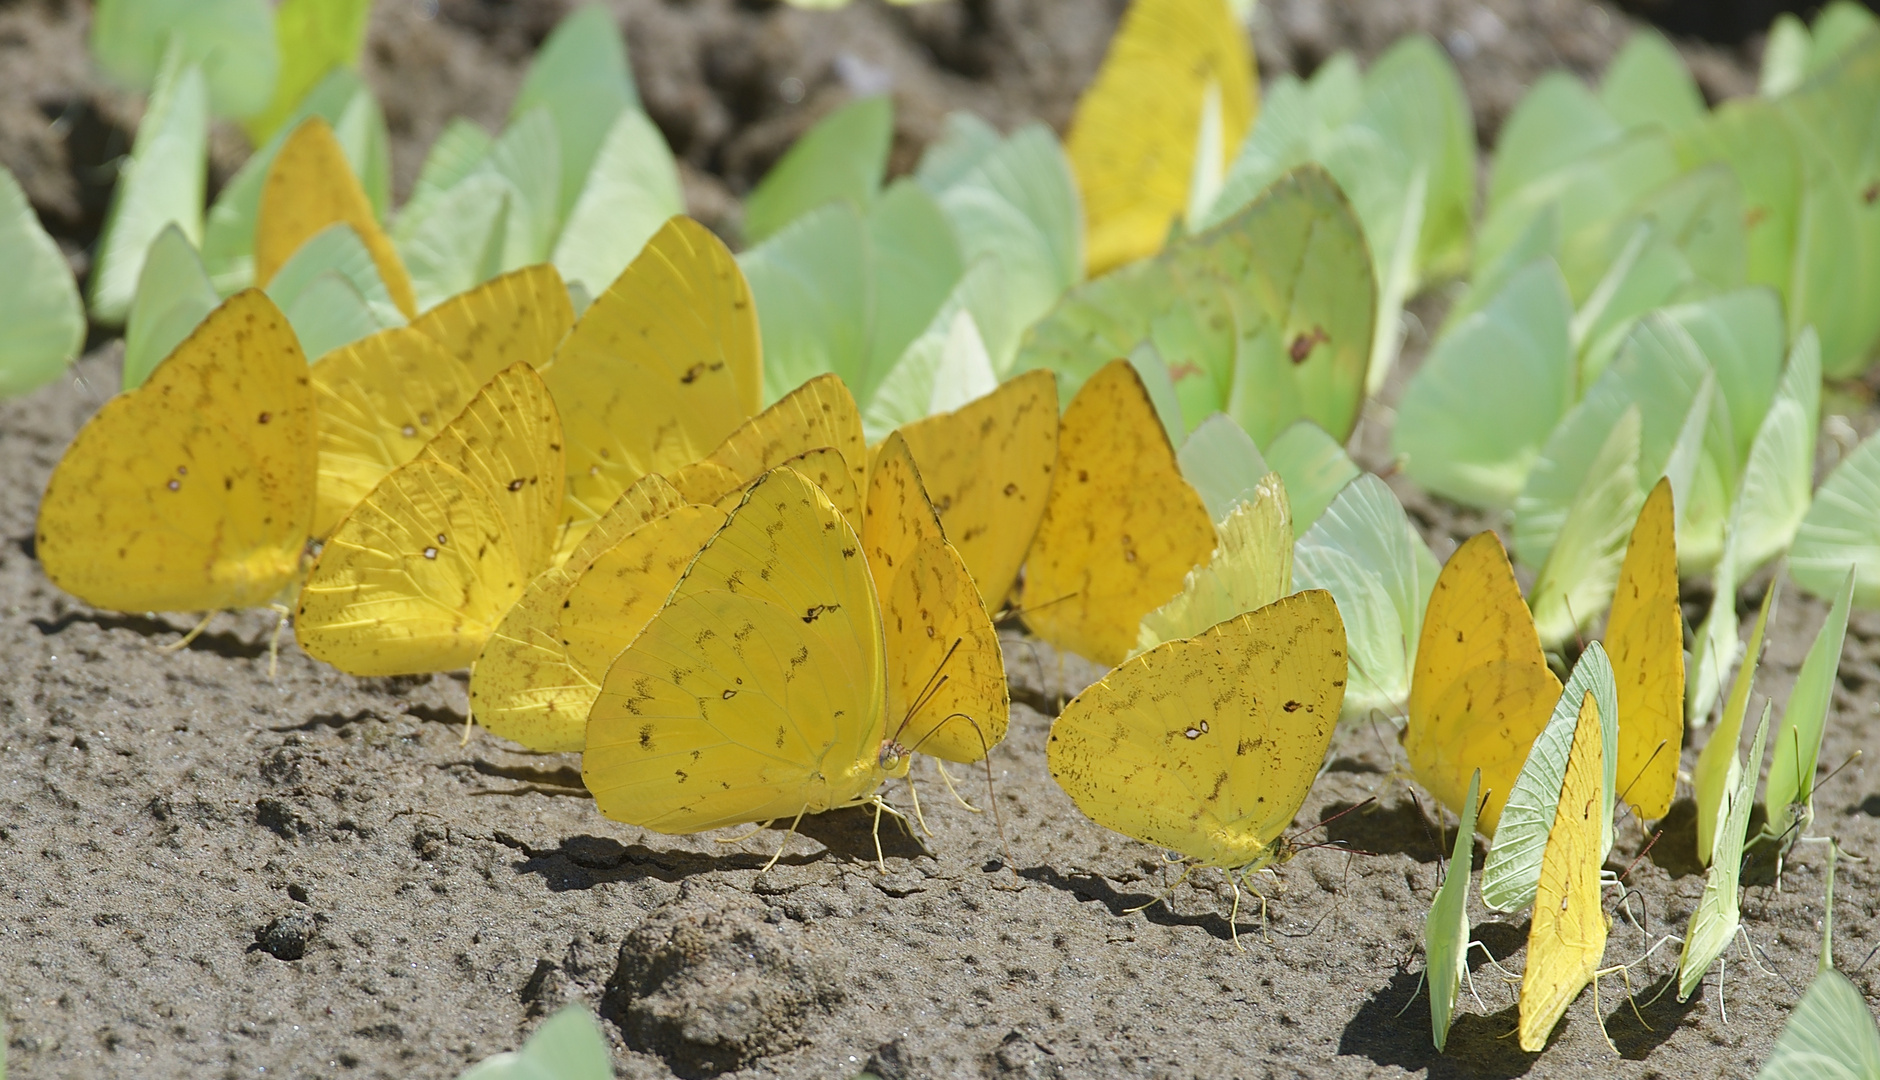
x,y
224,643
1659,1016
1096,887
1392,1028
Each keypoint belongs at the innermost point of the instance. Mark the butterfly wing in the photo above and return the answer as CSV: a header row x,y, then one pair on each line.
x,y
757,692
1121,528
987,467
946,677
1208,745
196,490
1645,636
309,187
1480,691
659,369
1567,937
820,413
523,685
1132,142
418,575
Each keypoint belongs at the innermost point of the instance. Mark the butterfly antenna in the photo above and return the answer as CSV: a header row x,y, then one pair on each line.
x,y
947,778
1017,611
1646,850
1624,796
1834,773
1327,821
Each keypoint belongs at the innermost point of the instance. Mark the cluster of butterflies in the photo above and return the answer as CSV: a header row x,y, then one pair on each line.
x,y
738,613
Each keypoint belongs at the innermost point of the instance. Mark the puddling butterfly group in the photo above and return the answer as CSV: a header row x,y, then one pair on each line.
x,y
745,614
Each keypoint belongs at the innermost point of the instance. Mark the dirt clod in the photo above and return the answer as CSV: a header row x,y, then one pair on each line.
x,y
710,986
287,937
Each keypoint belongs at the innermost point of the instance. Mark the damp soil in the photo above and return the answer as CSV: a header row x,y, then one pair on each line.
x,y
209,870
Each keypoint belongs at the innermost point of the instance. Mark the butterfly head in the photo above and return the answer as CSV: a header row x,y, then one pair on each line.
x,y
894,758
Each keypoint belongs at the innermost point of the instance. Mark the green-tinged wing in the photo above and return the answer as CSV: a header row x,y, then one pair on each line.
x,y
314,37
1740,333
630,191
1842,528
1751,137
162,182
1649,83
1222,463
329,313
1774,493
1555,124
528,155
334,252
1718,913
42,321
842,158
1266,317
1790,794
174,295
1514,352
582,78
1646,274
1018,206
1714,775
1446,928
228,235
1314,467
455,241
1513,869
942,370
1831,1035
568,1046
231,41
1366,553
1160,385
845,292
1575,581
1785,56
1251,568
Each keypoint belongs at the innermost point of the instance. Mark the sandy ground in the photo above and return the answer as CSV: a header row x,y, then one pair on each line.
x,y
208,872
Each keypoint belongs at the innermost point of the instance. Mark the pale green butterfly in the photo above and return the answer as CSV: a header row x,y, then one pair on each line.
x,y
1252,566
1840,529
582,77
162,182
42,320
1515,351
1718,913
847,291
1266,316
1712,776
840,159
331,292
1446,927
568,1046
1831,1035
1366,553
1513,869
1790,794
231,41
174,295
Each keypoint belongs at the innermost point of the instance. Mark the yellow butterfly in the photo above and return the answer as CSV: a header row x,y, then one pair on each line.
x,y
820,414
309,187
383,397
1645,637
1208,745
541,669
1121,528
1251,568
1481,690
658,371
196,490
1567,936
946,676
758,691
1133,141
987,466
417,576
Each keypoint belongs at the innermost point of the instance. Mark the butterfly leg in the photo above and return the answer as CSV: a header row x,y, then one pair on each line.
x,y
741,837
1162,898
1233,914
183,643
913,793
282,612
948,778
880,807
785,843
